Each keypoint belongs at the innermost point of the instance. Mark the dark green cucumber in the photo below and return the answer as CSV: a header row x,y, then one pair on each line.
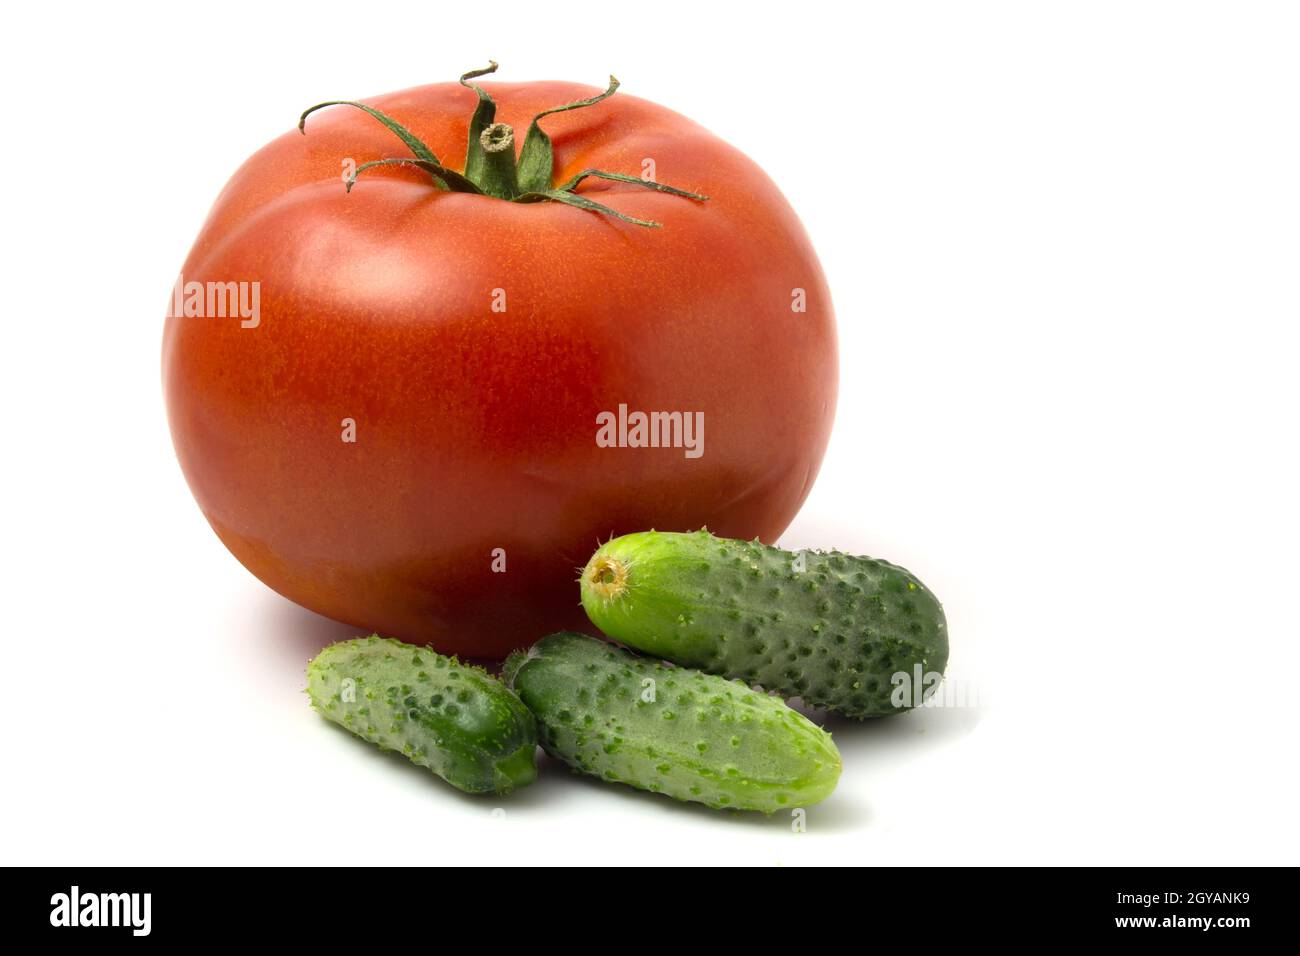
x,y
671,730
459,721
836,630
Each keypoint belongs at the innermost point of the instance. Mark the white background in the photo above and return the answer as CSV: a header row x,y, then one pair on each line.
x,y
1064,254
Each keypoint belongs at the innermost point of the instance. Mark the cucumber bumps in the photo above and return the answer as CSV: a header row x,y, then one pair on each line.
x,y
670,730
457,720
830,628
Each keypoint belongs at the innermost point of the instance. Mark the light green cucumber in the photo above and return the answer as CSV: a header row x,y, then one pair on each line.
x,y
671,730
855,635
459,721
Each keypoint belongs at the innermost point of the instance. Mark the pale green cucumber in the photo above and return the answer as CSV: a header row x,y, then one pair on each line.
x,y
456,720
855,635
671,730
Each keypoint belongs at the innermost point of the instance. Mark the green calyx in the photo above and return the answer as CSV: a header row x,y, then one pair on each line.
x,y
491,168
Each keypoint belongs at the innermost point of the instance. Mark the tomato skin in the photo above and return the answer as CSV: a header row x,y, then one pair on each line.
x,y
475,429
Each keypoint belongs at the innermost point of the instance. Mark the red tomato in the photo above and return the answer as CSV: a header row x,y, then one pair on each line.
x,y
475,429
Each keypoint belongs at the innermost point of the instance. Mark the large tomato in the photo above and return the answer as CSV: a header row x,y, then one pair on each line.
x,y
404,436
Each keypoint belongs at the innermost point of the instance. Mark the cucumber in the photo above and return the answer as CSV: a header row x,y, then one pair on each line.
x,y
459,721
833,629
670,730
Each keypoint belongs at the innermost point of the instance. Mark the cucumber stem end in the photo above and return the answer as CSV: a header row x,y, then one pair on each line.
x,y
606,576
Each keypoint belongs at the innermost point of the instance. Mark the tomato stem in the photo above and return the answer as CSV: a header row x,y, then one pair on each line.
x,y
498,176
491,168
